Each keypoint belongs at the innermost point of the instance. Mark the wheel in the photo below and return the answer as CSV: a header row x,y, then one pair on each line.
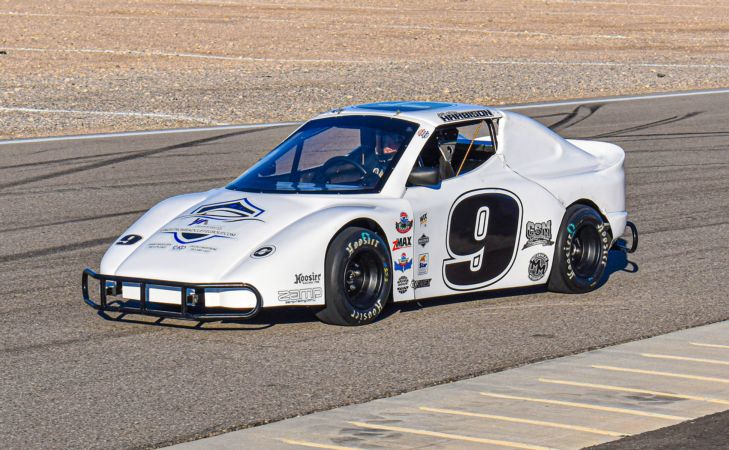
x,y
581,253
336,162
357,278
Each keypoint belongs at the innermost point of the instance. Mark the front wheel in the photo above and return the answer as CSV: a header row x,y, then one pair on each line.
x,y
582,251
357,278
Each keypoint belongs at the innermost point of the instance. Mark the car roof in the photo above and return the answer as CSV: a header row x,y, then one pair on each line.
x,y
431,113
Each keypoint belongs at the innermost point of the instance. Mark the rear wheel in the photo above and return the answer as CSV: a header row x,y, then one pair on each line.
x,y
357,278
582,251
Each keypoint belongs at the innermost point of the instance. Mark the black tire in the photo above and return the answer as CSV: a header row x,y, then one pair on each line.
x,y
582,251
357,278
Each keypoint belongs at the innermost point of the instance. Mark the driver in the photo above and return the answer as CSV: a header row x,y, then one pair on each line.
x,y
387,146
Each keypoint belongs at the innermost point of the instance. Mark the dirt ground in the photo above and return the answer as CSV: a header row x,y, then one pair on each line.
x,y
83,66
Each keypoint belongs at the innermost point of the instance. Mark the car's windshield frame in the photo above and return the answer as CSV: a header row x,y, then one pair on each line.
x,y
249,181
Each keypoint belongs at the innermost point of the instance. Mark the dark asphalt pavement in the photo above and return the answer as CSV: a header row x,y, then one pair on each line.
x,y
72,379
705,433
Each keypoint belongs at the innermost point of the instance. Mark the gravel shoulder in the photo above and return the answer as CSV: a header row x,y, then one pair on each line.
x,y
86,66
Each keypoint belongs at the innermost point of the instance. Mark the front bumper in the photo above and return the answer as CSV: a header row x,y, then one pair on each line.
x,y
191,305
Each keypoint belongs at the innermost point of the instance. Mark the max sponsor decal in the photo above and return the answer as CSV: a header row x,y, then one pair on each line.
x,y
423,260
364,239
423,240
129,239
538,266
300,295
403,283
307,278
404,263
404,224
538,233
403,242
419,284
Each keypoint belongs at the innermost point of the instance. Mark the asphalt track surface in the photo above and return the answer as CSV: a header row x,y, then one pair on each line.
x,y
73,379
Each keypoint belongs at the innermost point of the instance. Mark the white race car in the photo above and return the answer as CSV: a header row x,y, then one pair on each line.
x,y
391,201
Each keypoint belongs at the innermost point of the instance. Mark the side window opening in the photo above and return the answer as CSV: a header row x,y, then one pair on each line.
x,y
458,149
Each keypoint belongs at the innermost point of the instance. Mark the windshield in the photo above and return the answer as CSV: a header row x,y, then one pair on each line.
x,y
344,154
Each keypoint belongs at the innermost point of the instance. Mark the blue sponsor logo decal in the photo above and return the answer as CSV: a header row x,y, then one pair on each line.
x,y
201,229
192,238
231,211
404,263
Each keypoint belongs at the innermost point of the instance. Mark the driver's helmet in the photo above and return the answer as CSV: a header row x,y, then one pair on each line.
x,y
388,144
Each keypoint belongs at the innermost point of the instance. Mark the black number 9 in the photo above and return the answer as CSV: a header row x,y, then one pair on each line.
x,y
483,232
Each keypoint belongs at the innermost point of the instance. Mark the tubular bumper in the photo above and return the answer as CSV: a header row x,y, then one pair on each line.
x,y
185,310
621,245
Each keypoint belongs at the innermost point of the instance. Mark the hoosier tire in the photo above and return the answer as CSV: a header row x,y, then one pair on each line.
x,y
357,278
581,253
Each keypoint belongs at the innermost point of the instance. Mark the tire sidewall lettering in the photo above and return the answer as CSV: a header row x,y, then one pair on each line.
x,y
572,228
371,242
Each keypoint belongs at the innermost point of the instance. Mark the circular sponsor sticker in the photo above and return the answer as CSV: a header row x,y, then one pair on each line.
x,y
403,284
263,251
538,266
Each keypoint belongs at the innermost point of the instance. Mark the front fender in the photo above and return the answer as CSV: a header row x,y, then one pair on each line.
x,y
300,249
146,226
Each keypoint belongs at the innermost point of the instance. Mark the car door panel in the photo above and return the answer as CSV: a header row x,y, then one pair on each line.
x,y
477,232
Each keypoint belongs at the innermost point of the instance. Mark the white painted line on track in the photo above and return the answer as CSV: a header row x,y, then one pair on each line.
x,y
298,20
241,58
506,32
146,133
112,113
586,101
185,55
598,64
615,99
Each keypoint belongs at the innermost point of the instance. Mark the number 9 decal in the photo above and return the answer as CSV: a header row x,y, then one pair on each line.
x,y
482,239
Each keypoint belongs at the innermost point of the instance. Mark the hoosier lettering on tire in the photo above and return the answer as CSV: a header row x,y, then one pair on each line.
x,y
358,281
582,251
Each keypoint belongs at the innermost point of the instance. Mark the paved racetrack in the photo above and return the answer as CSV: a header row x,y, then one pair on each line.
x,y
72,379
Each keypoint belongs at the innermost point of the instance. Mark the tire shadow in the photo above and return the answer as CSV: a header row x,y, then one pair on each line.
x,y
617,262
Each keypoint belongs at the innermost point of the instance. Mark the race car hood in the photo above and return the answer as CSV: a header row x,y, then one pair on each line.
x,y
211,238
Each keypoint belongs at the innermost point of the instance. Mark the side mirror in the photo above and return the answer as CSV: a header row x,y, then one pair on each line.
x,y
424,176
268,170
